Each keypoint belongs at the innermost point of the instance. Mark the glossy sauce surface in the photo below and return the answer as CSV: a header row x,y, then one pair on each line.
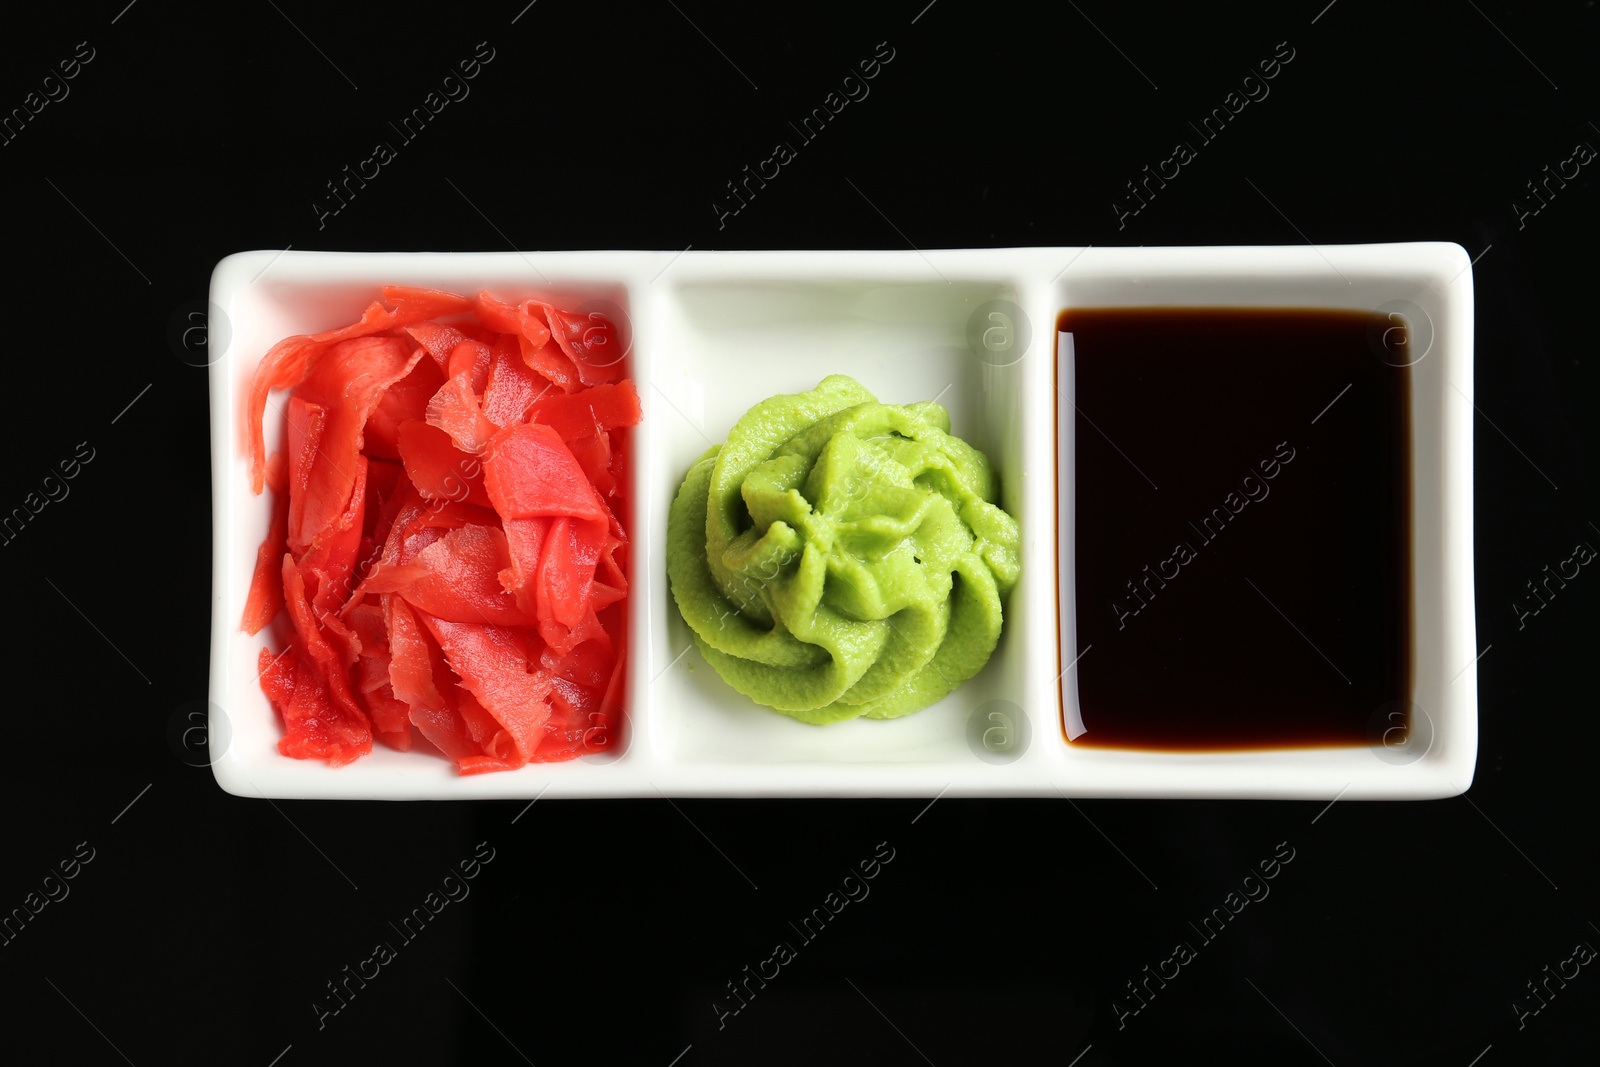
x,y
1242,526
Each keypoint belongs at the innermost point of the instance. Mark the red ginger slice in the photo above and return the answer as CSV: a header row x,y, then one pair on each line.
x,y
329,564
438,469
404,401
470,361
456,579
371,645
346,385
528,323
413,657
391,720
585,420
525,543
594,456
574,713
373,689
278,675
456,410
348,718
414,303
304,423
287,364
492,740
530,472
551,363
562,587
589,664
447,731
313,727
582,414
499,667
591,342
265,598
513,386
438,339
516,319
417,526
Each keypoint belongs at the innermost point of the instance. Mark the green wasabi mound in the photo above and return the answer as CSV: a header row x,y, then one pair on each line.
x,y
839,557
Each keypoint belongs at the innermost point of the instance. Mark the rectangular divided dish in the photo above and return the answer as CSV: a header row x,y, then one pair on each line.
x,y
713,333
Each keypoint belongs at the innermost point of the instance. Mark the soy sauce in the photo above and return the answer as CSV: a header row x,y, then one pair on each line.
x,y
1242,525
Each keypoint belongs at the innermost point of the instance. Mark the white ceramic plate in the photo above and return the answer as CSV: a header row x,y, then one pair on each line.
x,y
713,333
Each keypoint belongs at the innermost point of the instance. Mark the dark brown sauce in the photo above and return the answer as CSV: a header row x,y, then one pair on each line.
x,y
1242,527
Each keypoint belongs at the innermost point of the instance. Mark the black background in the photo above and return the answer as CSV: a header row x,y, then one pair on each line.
x,y
602,931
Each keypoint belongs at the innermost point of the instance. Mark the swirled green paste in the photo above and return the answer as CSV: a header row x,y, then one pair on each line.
x,y
839,557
